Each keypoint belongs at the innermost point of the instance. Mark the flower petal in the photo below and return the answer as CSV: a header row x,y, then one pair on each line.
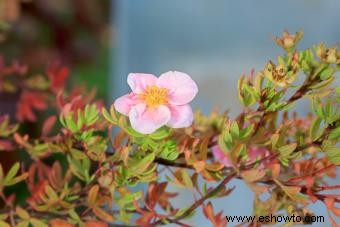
x,y
139,81
182,89
124,103
147,120
220,156
181,116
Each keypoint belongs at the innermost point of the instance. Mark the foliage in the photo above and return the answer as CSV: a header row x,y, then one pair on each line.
x,y
79,173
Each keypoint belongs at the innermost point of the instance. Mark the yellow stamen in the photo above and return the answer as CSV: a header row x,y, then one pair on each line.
x,y
154,96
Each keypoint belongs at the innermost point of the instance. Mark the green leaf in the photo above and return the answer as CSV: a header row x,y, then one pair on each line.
x,y
222,144
280,60
129,198
169,151
131,132
187,180
246,132
141,165
274,140
70,124
74,215
228,140
286,150
23,224
108,117
234,130
51,193
337,89
23,214
291,191
4,224
17,179
80,168
160,134
327,73
90,114
252,92
314,129
80,119
335,134
11,173
333,153
77,154
37,223
322,84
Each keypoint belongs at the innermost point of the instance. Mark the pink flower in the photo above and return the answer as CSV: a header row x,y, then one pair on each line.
x,y
222,157
155,102
254,153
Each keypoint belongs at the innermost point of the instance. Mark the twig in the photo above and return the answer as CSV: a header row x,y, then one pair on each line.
x,y
172,164
200,201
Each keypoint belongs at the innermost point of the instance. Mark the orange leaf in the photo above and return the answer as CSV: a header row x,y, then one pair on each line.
x,y
252,175
199,166
93,193
59,223
95,224
275,168
102,214
216,166
330,206
217,220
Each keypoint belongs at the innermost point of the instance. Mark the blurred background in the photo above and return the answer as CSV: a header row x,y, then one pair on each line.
x,y
213,41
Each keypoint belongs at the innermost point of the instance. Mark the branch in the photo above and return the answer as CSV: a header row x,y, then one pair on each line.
x,y
297,95
172,164
200,201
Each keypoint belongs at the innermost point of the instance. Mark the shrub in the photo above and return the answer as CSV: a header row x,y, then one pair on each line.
x,y
76,172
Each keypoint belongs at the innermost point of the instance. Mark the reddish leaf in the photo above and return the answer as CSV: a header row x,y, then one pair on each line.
x,y
57,75
155,191
30,101
6,145
145,219
48,125
37,193
10,200
21,140
217,220
329,202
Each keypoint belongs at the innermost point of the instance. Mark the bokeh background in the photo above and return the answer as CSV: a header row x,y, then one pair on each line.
x,y
213,41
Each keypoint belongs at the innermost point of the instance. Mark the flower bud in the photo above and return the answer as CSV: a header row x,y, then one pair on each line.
x,y
288,41
106,180
328,55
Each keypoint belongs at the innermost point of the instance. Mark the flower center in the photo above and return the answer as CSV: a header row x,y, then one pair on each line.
x,y
154,96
